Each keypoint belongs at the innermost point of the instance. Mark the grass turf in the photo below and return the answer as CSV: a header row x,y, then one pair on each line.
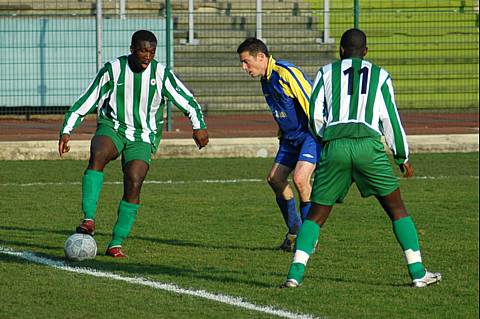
x,y
220,237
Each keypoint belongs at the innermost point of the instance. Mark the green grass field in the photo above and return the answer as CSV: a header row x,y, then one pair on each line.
x,y
219,237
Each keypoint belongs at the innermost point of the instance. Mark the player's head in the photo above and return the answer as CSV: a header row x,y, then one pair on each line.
x,y
143,47
353,44
253,54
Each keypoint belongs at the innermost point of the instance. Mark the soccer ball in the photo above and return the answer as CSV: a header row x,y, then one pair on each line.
x,y
79,247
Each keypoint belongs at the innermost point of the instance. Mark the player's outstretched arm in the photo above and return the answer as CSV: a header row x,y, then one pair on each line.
x,y
200,137
407,169
63,146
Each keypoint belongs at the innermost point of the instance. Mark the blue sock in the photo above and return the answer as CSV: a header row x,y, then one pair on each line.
x,y
304,209
290,215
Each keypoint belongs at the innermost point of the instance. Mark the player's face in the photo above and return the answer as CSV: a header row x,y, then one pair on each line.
x,y
253,65
144,52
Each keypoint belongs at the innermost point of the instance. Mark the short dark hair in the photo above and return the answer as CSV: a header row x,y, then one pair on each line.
x,y
254,46
353,41
143,35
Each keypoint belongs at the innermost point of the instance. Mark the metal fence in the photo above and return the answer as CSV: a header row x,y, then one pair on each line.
x,y
50,49
429,47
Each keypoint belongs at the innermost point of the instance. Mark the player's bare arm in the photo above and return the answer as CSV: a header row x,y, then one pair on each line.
x,y
200,137
63,146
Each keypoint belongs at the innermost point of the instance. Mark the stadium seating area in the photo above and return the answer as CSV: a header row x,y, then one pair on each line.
x,y
429,47
211,66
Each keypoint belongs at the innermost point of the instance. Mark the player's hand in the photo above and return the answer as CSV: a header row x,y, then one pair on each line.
x,y
200,137
407,169
63,146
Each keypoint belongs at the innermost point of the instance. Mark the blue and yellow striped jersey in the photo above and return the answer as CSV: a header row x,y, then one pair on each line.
x,y
287,91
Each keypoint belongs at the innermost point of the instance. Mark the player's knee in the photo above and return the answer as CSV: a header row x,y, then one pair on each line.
x,y
271,180
135,173
135,180
275,181
301,182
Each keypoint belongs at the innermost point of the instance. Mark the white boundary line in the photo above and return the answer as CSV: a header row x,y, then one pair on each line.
x,y
229,300
204,181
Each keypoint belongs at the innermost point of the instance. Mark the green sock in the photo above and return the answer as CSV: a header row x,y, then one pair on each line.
x,y
304,246
407,237
92,182
127,213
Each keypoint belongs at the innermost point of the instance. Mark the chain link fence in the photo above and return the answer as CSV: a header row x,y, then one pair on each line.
x,y
429,47
49,49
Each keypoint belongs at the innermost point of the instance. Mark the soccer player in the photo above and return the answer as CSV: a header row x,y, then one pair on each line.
x,y
351,106
287,91
128,95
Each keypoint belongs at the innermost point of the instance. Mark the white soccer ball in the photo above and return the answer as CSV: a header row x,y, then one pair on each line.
x,y
79,247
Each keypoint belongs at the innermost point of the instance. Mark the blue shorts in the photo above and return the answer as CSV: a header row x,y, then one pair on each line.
x,y
289,153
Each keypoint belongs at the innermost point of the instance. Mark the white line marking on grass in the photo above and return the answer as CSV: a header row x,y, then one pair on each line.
x,y
440,177
204,181
229,300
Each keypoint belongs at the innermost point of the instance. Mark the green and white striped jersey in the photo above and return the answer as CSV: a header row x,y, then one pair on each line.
x,y
354,98
132,103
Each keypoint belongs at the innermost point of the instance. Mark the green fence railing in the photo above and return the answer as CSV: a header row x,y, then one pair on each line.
x,y
429,47
47,61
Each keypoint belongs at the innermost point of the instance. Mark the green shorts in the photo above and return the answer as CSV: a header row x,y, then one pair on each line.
x,y
347,160
130,150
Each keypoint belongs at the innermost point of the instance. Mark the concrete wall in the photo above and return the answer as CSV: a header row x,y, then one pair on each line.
x,y
228,147
58,56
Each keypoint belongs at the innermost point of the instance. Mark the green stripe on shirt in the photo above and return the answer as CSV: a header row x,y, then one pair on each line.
x,y
120,100
372,93
137,91
191,101
353,108
152,88
336,87
400,154
313,104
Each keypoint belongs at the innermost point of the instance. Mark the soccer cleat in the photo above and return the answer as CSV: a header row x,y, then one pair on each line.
x,y
87,226
428,279
115,252
288,242
290,283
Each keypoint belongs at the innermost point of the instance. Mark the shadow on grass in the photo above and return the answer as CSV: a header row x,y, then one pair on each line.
x,y
37,230
10,243
103,263
171,242
367,282
186,243
142,270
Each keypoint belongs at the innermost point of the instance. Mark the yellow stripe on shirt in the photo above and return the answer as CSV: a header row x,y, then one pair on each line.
x,y
295,86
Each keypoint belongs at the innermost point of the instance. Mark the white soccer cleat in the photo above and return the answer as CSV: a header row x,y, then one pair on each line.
x,y
428,279
290,283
